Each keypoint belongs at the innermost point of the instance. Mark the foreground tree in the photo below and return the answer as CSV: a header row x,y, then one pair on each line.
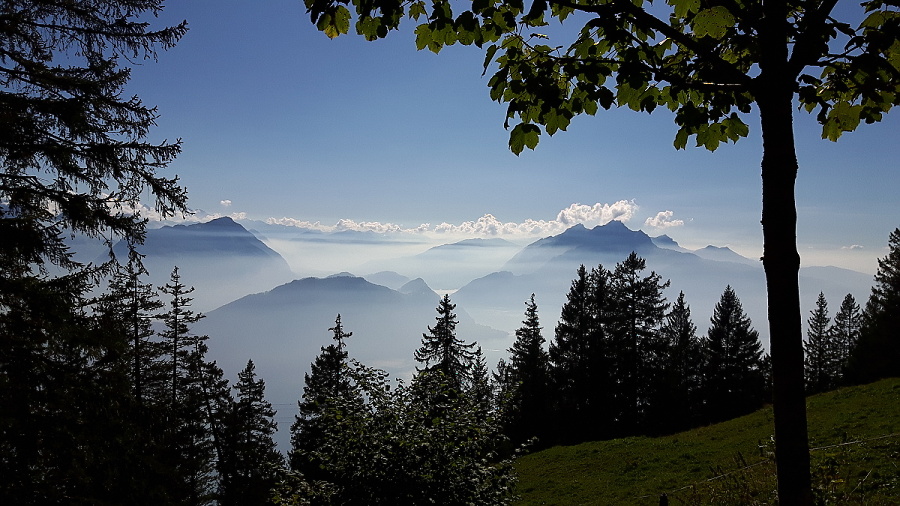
x,y
192,399
637,310
581,362
74,160
821,352
845,331
442,352
249,470
709,63
734,381
526,382
407,445
677,402
877,354
327,390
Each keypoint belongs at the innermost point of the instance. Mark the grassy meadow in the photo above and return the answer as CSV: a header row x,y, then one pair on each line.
x,y
854,435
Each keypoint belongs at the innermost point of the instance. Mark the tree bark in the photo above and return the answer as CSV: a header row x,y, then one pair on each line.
x,y
774,94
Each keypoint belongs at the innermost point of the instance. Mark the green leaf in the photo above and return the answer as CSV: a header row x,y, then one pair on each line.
x,y
489,56
522,135
713,22
683,7
417,9
423,36
681,138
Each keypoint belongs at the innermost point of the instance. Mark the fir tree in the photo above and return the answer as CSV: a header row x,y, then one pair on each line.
x,y
250,464
444,353
190,434
136,304
820,352
733,379
327,389
526,394
677,401
74,155
845,333
877,354
580,360
638,309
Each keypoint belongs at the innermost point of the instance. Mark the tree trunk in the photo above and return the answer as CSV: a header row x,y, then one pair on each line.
x,y
782,265
774,94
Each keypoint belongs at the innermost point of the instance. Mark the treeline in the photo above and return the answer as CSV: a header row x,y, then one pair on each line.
x,y
624,362
99,408
102,406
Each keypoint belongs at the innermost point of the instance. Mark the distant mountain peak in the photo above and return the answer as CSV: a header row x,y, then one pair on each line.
x,y
723,254
666,242
417,286
614,233
342,274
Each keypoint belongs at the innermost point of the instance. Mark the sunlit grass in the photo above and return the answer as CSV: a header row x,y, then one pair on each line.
x,y
855,433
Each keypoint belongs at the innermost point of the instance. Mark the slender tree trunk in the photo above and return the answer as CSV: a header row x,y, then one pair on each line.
x,y
782,265
774,91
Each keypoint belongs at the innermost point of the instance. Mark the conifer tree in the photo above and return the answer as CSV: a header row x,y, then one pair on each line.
x,y
638,309
442,352
527,400
845,332
733,378
820,358
580,360
480,387
568,350
73,157
190,434
677,401
250,464
877,353
136,304
327,388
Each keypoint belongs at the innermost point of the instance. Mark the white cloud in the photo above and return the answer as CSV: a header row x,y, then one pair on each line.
x,y
225,203
487,225
597,214
853,247
663,219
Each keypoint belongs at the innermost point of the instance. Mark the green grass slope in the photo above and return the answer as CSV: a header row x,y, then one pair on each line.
x,y
854,433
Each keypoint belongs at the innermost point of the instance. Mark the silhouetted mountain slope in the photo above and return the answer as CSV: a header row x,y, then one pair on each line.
x,y
220,258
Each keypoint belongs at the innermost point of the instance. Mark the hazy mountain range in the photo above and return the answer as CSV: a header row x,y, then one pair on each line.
x,y
258,307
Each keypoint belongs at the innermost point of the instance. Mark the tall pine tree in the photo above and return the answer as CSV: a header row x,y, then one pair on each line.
x,y
249,469
638,309
443,352
327,387
189,432
677,403
845,332
820,358
733,377
526,398
877,354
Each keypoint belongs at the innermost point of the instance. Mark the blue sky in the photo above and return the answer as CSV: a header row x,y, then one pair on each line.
x,y
285,123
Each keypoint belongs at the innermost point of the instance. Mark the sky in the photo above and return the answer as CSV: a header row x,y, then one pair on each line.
x,y
280,123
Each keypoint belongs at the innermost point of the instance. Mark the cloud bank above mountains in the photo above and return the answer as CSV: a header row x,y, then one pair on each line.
x,y
487,225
